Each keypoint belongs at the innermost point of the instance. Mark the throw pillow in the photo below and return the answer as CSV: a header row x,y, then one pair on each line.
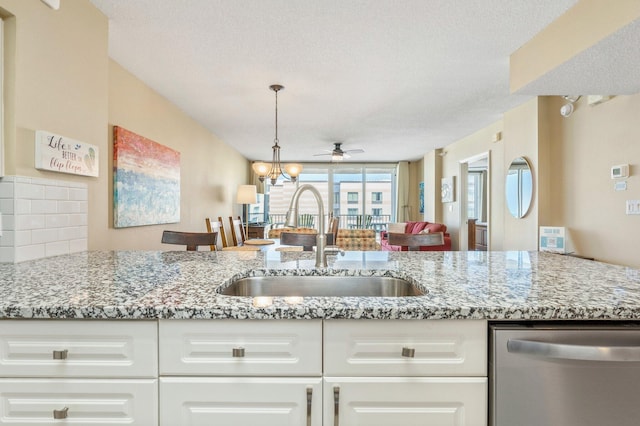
x,y
396,228
425,231
436,227
415,227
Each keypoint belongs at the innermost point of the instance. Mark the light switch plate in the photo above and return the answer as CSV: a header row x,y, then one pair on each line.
x,y
633,206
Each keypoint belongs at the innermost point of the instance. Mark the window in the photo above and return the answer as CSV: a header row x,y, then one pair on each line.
x,y
376,212
476,206
348,191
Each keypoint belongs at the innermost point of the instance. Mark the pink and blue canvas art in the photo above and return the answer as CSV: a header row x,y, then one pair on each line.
x,y
146,181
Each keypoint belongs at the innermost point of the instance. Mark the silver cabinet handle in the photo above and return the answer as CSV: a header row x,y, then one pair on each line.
x,y
61,414
238,352
408,352
336,406
60,354
309,396
576,352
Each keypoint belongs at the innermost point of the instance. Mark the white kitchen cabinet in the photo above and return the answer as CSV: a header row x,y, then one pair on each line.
x,y
407,401
244,372
240,401
78,372
78,401
412,372
51,348
247,372
405,348
240,348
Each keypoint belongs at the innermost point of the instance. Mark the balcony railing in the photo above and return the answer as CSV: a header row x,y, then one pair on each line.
x,y
349,221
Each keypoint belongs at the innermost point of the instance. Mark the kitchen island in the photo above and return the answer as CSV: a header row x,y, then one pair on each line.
x,y
146,338
181,285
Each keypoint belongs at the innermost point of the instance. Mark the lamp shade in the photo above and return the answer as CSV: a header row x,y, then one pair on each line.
x,y
247,194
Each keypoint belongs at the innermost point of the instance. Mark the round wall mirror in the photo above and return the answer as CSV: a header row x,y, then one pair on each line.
x,y
519,187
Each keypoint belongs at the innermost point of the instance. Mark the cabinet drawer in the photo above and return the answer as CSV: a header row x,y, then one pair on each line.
x,y
65,348
384,401
431,348
241,347
88,401
240,401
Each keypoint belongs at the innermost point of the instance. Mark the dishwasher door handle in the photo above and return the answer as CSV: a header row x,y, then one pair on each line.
x,y
574,352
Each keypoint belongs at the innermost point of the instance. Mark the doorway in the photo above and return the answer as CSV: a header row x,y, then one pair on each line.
x,y
475,193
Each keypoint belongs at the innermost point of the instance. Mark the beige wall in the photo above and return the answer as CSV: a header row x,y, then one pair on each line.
x,y
520,139
593,139
210,170
56,65
60,79
478,143
571,160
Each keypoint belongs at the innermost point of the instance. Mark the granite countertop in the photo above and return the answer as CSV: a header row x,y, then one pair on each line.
x,y
179,285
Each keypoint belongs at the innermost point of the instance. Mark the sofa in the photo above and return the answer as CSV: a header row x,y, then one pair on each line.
x,y
415,228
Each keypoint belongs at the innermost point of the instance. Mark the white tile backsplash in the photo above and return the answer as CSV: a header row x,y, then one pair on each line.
x,y
57,248
44,206
56,193
29,191
6,188
42,217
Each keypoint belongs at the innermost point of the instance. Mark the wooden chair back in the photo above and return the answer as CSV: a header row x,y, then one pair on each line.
x,y
334,223
216,226
223,235
415,241
237,231
190,239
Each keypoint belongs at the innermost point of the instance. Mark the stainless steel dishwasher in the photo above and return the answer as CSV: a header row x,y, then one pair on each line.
x,y
565,375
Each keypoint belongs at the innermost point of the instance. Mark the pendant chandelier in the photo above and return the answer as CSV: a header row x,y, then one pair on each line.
x,y
274,170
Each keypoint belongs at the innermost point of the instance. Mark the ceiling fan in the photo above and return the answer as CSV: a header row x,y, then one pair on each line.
x,y
339,154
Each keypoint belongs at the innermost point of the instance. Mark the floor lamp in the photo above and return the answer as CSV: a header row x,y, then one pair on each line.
x,y
247,194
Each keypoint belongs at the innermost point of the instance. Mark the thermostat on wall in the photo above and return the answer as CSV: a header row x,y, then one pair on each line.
x,y
621,171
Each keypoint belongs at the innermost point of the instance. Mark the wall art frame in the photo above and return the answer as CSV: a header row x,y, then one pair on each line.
x,y
146,181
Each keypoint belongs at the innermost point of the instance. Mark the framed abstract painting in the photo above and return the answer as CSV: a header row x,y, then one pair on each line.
x,y
146,181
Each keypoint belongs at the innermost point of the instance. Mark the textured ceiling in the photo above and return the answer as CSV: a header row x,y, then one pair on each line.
x,y
395,78
611,67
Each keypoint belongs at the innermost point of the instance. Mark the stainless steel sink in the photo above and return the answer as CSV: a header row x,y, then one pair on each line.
x,y
322,286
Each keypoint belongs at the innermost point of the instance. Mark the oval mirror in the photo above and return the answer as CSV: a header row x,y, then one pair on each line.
x,y
519,187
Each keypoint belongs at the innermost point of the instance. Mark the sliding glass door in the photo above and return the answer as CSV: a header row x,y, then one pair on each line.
x,y
362,196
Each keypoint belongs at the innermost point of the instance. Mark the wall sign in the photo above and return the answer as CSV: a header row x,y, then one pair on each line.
x,y
65,155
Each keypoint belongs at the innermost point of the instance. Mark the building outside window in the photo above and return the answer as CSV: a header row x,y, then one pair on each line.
x,y
347,190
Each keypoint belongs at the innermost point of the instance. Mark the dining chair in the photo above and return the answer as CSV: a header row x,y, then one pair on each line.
x,y
216,226
334,223
190,239
223,235
415,241
237,231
